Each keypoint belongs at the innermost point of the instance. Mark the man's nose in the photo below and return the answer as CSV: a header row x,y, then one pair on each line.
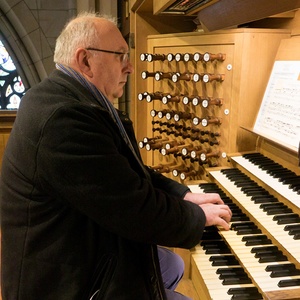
x,y
129,67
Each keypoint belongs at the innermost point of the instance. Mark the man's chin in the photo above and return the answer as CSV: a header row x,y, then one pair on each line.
x,y
119,94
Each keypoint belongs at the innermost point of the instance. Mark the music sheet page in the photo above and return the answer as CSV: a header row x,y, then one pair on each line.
x,y
279,115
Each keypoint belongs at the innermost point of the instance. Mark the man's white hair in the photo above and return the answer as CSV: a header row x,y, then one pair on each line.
x,y
78,32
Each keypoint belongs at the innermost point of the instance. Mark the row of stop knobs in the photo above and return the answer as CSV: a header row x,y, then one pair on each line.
x,y
179,115
186,76
166,98
178,148
185,135
196,57
185,132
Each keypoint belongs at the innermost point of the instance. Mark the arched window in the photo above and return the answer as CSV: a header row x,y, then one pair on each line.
x,y
11,86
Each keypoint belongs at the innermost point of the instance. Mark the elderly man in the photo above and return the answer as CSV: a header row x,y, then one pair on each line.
x,y
81,216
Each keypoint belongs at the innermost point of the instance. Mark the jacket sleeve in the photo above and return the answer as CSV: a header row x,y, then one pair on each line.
x,y
168,185
83,161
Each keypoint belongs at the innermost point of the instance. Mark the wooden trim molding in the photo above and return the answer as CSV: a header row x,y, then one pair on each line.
x,y
7,118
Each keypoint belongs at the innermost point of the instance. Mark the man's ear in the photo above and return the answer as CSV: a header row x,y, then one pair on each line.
x,y
82,57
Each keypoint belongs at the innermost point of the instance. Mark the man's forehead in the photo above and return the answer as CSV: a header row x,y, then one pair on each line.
x,y
112,35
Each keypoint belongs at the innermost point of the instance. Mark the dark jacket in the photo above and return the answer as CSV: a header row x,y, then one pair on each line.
x,y
76,203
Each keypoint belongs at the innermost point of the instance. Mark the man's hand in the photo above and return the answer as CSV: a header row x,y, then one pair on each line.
x,y
219,215
216,212
199,199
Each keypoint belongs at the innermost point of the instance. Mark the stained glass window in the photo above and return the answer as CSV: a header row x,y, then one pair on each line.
x,y
11,86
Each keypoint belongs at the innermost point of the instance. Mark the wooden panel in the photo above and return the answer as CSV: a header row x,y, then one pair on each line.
x,y
186,287
6,122
289,49
228,13
3,141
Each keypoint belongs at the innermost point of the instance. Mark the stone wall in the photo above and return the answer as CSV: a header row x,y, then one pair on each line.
x,y
29,28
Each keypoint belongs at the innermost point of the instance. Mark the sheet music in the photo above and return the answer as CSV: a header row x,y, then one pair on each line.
x,y
279,115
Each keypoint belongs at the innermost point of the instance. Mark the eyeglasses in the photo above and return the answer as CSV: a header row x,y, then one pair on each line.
x,y
124,57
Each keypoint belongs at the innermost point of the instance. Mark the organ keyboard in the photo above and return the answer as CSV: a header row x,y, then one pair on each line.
x,y
264,239
251,161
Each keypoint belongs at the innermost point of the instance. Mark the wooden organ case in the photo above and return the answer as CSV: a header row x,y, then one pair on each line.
x,y
203,94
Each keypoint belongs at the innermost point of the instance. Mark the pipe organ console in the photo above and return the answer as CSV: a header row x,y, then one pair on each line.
x,y
212,95
195,83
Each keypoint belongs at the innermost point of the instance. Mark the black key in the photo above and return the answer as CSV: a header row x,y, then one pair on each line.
x,y
289,216
294,185
296,236
279,171
226,260
244,225
240,218
235,226
289,282
257,193
245,293
254,188
222,257
237,270
234,275
211,234
235,209
247,297
266,206
270,165
246,290
270,253
264,199
291,180
283,273
265,253
249,186
227,200
276,211
294,231
263,248
260,237
287,219
290,227
213,244
272,258
239,280
290,220
242,183
217,251
244,231
258,242
288,266
226,171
